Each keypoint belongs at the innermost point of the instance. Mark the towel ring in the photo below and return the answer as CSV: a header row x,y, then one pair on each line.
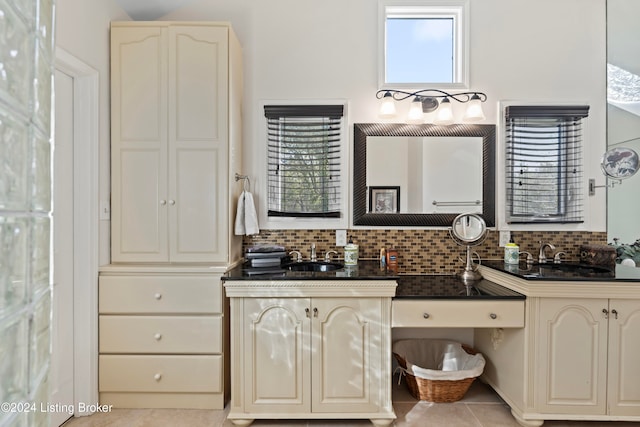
x,y
246,181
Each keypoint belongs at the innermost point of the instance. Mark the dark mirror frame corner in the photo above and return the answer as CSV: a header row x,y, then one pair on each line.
x,y
363,130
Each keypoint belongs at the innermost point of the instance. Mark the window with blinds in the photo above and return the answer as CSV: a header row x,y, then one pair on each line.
x,y
304,160
544,163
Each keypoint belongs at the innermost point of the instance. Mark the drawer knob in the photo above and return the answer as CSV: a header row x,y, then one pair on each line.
x,y
158,337
426,315
158,296
493,316
157,377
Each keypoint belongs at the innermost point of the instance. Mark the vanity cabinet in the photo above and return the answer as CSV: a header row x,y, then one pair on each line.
x,y
162,340
311,350
175,132
576,358
588,356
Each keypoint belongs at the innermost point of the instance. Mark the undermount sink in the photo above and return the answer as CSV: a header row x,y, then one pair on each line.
x,y
573,267
566,270
314,266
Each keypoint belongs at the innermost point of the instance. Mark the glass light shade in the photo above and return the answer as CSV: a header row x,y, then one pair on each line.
x,y
415,115
387,106
444,115
474,111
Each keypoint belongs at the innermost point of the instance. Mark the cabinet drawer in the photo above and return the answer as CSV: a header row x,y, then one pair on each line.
x,y
160,334
458,314
160,294
194,374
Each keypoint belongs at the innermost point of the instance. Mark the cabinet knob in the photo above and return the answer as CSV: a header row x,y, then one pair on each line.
x,y
606,313
158,336
615,313
306,311
315,311
172,202
493,316
163,202
157,296
426,315
157,377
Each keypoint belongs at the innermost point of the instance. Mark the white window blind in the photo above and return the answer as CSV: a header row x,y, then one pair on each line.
x,y
544,163
304,160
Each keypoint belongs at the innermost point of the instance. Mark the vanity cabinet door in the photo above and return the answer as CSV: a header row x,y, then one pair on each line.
x,y
346,360
572,356
276,333
624,347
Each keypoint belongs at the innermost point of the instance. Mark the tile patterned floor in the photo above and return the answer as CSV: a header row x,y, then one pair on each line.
x,y
480,407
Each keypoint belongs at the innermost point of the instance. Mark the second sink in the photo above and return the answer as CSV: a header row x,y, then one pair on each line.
x,y
313,266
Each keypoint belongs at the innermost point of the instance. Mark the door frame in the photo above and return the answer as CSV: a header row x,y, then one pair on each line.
x,y
85,226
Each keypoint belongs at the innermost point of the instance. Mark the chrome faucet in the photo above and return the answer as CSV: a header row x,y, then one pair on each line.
x,y
542,258
314,258
327,256
298,255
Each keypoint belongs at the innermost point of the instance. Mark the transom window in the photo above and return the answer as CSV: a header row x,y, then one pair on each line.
x,y
423,43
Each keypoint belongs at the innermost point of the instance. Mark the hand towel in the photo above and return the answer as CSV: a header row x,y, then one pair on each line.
x,y
246,216
250,215
239,227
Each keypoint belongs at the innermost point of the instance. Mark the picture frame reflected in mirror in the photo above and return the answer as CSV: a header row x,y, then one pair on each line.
x,y
385,199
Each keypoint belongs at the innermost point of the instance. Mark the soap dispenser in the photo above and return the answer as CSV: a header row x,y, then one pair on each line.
x,y
511,252
351,253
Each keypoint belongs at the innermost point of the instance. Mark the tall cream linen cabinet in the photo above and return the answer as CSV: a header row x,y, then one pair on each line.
x,y
175,131
175,144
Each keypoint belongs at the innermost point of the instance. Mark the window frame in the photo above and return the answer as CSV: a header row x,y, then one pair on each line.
x,y
456,9
570,149
288,222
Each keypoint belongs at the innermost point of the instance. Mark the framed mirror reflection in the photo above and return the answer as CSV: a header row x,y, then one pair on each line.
x,y
441,172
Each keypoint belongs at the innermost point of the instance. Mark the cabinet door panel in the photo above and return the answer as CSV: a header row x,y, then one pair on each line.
x,y
572,356
140,223
139,97
198,130
345,361
624,347
139,145
199,233
198,76
277,372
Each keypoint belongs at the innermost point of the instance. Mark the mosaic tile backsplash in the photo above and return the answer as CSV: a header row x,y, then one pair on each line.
x,y
425,251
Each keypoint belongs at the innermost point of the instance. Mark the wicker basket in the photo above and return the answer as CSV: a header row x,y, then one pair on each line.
x,y
439,391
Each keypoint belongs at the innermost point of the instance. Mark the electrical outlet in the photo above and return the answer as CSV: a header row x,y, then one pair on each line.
x,y
505,236
341,237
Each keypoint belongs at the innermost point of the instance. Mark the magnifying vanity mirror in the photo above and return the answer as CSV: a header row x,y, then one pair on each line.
x,y
468,230
620,163
422,175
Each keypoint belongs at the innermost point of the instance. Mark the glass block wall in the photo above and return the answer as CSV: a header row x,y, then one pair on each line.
x,y
26,80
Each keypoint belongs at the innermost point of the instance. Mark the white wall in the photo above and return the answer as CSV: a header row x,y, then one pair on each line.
x,y
543,50
82,29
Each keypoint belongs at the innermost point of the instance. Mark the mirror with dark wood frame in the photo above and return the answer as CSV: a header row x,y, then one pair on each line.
x,y
362,131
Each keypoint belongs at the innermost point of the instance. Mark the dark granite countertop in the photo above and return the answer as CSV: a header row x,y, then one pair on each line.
x,y
365,270
414,286
569,271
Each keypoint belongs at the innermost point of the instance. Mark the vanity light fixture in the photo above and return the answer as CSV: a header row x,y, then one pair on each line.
x,y
430,100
